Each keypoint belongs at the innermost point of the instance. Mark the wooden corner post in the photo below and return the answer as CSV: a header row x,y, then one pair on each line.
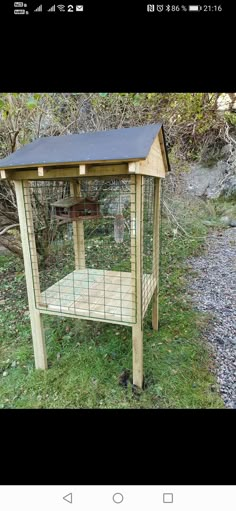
x,y
31,272
136,274
78,232
156,249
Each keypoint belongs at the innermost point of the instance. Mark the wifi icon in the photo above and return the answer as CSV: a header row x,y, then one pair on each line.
x,y
61,8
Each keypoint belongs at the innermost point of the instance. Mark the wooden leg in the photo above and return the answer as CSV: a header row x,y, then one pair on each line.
x,y
38,336
155,310
156,244
136,271
31,275
137,337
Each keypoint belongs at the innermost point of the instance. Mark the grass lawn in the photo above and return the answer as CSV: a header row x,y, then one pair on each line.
x,y
86,358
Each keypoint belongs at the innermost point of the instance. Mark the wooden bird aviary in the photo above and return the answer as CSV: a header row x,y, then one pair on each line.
x,y
89,212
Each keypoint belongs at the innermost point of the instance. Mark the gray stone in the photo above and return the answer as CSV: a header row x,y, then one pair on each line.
x,y
225,220
203,180
228,189
225,150
213,180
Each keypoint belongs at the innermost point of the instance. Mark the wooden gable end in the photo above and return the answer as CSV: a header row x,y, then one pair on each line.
x,y
156,162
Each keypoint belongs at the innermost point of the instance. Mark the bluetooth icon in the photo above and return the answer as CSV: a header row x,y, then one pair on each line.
x,y
168,8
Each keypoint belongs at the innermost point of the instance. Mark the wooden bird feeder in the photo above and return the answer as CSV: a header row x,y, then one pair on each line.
x,y
104,270
72,208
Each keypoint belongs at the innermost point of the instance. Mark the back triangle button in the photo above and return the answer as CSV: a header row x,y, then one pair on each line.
x,y
68,498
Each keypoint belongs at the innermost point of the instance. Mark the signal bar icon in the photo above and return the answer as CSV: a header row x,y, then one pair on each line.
x,y
52,9
39,8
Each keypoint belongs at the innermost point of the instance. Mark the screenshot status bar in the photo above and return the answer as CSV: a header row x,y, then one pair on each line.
x,y
26,8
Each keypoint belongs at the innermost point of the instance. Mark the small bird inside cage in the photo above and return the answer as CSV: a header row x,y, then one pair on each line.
x,y
119,227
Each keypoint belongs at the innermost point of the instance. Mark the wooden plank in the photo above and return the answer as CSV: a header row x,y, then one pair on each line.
x,y
82,170
90,318
156,250
28,246
62,173
67,164
137,330
151,285
133,234
31,238
133,167
41,172
163,150
78,232
97,293
121,168
145,280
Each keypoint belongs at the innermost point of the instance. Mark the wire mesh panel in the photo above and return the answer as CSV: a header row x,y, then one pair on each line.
x,y
149,260
82,247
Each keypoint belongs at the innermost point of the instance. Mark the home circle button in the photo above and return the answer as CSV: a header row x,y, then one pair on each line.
x,y
118,498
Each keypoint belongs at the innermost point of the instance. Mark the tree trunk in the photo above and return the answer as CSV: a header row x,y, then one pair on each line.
x,y
11,244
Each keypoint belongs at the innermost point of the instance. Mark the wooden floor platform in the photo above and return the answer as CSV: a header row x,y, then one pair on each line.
x,y
101,294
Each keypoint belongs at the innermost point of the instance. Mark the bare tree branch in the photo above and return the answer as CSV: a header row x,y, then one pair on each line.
x,y
8,228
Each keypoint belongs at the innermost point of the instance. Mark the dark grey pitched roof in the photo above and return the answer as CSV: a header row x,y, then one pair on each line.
x,y
118,144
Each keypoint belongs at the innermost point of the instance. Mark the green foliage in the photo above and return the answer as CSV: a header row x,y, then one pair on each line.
x,y
230,117
191,120
192,123
32,102
19,119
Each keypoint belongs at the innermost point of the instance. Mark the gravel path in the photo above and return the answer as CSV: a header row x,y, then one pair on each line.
x,y
214,291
